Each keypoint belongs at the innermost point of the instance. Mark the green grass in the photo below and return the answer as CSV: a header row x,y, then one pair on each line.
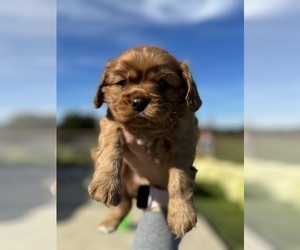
x,y
27,147
229,147
276,222
74,153
280,146
226,218
74,147
72,156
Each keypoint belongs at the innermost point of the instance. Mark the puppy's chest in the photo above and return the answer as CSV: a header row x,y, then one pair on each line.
x,y
158,148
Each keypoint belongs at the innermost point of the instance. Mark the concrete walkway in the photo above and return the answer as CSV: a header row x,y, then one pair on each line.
x,y
255,241
78,218
79,232
27,209
35,230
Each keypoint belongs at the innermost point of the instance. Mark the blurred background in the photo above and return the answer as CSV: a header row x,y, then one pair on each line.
x,y
210,35
247,75
272,125
27,124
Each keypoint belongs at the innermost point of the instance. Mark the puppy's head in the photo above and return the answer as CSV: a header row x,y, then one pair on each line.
x,y
146,86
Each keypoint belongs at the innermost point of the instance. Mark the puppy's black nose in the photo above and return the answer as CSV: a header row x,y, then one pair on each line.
x,y
139,105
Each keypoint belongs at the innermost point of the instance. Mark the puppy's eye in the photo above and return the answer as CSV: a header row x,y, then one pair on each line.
x,y
121,83
163,84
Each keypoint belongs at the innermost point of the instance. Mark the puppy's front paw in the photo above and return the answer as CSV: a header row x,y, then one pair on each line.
x,y
107,191
182,217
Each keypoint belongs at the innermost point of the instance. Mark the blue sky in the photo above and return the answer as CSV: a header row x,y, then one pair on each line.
x,y
52,66
272,75
209,34
28,58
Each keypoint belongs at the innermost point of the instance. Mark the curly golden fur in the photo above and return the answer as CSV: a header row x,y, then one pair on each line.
x,y
154,97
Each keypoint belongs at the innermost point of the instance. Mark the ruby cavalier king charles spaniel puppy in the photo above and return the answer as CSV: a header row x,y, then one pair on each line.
x,y
153,96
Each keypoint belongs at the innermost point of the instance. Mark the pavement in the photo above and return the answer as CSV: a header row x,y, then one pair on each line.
x,y
79,232
255,241
29,219
35,230
27,209
78,217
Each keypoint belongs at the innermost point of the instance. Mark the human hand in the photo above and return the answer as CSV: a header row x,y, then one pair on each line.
x,y
137,157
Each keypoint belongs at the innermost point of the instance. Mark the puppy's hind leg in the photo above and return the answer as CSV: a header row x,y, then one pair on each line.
x,y
115,216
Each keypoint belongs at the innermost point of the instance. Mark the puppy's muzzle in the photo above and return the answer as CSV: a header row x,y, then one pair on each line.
x,y
139,105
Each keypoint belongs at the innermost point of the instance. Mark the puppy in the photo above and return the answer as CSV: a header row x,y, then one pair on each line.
x,y
154,97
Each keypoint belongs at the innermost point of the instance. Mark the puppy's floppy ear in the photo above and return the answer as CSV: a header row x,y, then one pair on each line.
x,y
192,98
99,98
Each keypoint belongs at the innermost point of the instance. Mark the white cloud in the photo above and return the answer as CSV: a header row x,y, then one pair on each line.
x,y
102,15
178,11
261,9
